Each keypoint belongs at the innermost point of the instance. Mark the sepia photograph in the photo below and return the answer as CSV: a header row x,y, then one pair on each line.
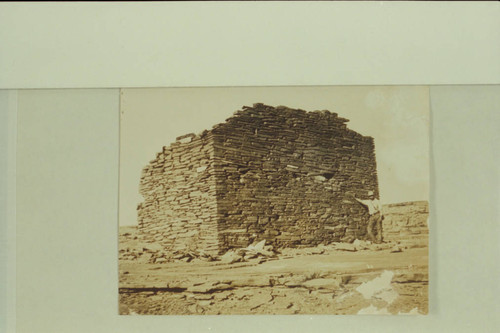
x,y
249,166
274,200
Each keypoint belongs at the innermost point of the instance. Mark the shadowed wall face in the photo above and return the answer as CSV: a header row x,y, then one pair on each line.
x,y
290,177
280,174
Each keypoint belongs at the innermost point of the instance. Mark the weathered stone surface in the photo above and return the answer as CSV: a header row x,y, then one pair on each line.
x,y
409,277
406,222
396,249
231,257
345,247
161,260
293,281
361,245
330,284
208,287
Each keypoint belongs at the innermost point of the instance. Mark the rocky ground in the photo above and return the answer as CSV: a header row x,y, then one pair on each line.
x,y
357,278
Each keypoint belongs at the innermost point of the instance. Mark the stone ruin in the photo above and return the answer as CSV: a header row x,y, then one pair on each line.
x,y
284,175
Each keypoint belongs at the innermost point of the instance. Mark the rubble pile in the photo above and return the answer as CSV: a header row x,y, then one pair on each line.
x,y
259,251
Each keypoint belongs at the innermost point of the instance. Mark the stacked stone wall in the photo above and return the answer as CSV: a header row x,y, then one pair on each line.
x,y
280,174
179,210
290,177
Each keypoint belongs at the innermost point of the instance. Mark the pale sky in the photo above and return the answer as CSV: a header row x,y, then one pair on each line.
x,y
397,117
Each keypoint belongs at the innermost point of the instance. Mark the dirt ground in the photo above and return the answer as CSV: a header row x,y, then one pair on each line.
x,y
358,278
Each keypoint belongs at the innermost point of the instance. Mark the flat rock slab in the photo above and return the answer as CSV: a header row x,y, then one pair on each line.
x,y
409,277
323,283
208,288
